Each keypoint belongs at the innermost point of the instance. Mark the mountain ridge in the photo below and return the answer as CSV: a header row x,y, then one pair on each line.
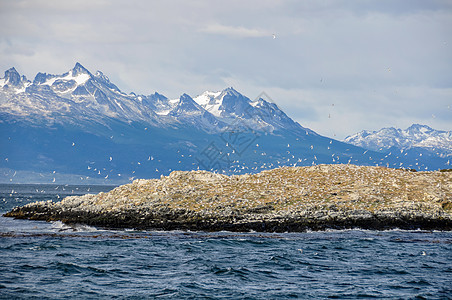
x,y
81,123
95,95
415,136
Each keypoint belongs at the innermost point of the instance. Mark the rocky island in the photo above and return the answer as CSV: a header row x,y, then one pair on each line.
x,y
279,200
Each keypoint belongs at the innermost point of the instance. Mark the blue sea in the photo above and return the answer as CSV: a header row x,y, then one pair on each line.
x,y
53,261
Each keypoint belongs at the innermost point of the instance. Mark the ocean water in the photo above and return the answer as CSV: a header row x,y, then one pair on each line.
x,y
53,261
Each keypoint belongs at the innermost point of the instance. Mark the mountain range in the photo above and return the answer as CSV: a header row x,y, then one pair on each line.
x,y
416,136
78,96
415,141
79,126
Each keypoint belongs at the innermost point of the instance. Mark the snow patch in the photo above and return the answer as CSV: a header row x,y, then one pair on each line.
x,y
206,97
23,88
79,79
211,102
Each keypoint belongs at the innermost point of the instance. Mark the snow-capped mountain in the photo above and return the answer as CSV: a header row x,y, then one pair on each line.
x,y
415,136
81,123
80,95
187,111
12,78
74,95
260,115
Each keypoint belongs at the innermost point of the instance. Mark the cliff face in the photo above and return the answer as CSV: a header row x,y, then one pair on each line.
x,y
284,199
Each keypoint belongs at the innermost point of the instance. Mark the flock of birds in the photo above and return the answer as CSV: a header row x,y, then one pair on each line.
x,y
231,165
230,162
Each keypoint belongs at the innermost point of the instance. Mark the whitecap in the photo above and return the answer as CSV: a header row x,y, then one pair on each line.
x,y
60,226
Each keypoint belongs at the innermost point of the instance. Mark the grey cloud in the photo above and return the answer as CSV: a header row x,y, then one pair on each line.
x,y
235,31
354,53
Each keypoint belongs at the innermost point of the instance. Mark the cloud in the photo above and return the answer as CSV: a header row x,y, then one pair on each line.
x,y
380,62
235,31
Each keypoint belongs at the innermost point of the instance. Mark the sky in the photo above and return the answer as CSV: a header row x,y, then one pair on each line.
x,y
336,67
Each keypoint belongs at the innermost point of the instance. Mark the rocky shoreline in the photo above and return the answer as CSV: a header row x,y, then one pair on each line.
x,y
291,199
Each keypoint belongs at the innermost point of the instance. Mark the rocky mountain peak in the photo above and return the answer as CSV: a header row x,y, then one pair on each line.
x,y
186,103
418,128
230,92
79,69
12,77
40,78
185,97
158,96
102,76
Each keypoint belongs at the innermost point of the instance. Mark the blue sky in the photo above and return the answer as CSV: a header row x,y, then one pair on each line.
x,y
337,67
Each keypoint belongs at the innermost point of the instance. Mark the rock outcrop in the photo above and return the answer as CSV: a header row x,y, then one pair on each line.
x,y
279,200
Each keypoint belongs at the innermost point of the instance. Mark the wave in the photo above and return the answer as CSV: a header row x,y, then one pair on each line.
x,y
59,226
